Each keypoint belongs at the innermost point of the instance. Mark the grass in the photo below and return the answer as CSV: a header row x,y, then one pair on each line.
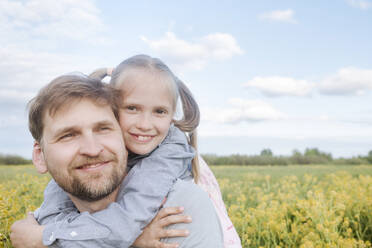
x,y
236,173
8,172
267,207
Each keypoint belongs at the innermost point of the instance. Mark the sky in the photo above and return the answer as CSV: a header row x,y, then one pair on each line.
x,y
282,75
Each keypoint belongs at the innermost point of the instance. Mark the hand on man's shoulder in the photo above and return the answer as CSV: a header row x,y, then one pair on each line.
x,y
205,229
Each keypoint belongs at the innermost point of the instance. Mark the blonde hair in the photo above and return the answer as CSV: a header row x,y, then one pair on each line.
x,y
191,114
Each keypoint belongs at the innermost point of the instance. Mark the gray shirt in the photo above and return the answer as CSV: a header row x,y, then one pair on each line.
x,y
151,178
205,229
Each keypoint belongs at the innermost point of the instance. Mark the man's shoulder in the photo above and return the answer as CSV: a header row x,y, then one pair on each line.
x,y
190,192
205,229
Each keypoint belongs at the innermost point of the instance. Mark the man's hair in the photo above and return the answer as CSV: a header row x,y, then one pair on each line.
x,y
64,90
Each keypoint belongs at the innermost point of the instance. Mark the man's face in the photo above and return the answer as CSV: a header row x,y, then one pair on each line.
x,y
83,149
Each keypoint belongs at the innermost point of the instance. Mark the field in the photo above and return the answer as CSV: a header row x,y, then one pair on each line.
x,y
281,206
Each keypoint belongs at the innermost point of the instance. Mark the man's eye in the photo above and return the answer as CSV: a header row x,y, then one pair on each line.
x,y
66,136
104,128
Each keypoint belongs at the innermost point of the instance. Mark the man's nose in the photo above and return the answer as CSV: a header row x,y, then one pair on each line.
x,y
144,122
90,146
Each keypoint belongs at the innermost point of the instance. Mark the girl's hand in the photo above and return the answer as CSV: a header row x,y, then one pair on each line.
x,y
153,232
27,233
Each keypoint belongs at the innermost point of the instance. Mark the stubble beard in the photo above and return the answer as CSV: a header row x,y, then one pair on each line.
x,y
90,192
96,186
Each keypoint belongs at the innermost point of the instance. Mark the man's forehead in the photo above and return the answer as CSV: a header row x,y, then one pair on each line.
x,y
78,113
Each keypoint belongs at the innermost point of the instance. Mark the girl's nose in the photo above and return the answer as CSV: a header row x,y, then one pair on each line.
x,y
144,122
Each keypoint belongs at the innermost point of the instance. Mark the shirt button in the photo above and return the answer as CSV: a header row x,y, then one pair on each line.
x,y
73,234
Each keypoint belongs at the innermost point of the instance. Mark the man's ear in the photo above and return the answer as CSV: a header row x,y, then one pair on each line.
x,y
38,158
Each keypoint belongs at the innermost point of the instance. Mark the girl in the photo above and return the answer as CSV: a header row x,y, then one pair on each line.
x,y
161,151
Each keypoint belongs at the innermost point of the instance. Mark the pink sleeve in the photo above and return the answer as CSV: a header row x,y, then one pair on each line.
x,y
209,184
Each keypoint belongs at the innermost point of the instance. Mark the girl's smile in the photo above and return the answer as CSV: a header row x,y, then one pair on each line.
x,y
142,138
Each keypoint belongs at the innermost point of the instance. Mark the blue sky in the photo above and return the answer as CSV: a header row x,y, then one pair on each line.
x,y
282,75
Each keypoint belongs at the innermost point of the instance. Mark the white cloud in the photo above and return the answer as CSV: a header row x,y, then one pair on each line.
x,y
44,19
361,4
241,110
324,117
195,54
23,72
30,33
22,69
15,96
221,46
280,86
279,15
30,30
347,81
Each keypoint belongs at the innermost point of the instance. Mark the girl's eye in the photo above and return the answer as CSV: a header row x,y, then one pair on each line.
x,y
160,111
131,108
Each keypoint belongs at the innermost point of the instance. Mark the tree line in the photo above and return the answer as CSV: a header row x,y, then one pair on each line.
x,y
9,159
266,157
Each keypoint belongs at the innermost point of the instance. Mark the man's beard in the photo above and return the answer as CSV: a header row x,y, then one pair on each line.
x,y
89,189
87,193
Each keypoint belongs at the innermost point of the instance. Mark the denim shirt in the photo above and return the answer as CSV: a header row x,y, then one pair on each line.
x,y
141,194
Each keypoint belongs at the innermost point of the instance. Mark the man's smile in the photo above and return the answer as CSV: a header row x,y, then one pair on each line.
x,y
93,166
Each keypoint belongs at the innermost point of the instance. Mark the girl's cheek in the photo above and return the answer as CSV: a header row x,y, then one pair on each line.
x,y
126,121
122,121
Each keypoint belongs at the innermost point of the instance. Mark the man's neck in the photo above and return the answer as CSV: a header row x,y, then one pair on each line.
x,y
95,206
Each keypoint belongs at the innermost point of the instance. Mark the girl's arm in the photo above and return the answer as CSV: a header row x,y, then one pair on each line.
x,y
27,233
56,202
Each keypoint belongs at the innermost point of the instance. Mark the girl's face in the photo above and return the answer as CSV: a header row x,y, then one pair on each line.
x,y
147,111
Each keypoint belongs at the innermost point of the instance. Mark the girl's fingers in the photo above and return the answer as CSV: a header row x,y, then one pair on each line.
x,y
170,233
168,211
174,219
31,219
166,245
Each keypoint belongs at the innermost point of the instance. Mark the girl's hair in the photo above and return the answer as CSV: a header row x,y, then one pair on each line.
x,y
191,114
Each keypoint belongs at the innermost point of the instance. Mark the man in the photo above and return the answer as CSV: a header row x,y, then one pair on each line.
x,y
78,140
